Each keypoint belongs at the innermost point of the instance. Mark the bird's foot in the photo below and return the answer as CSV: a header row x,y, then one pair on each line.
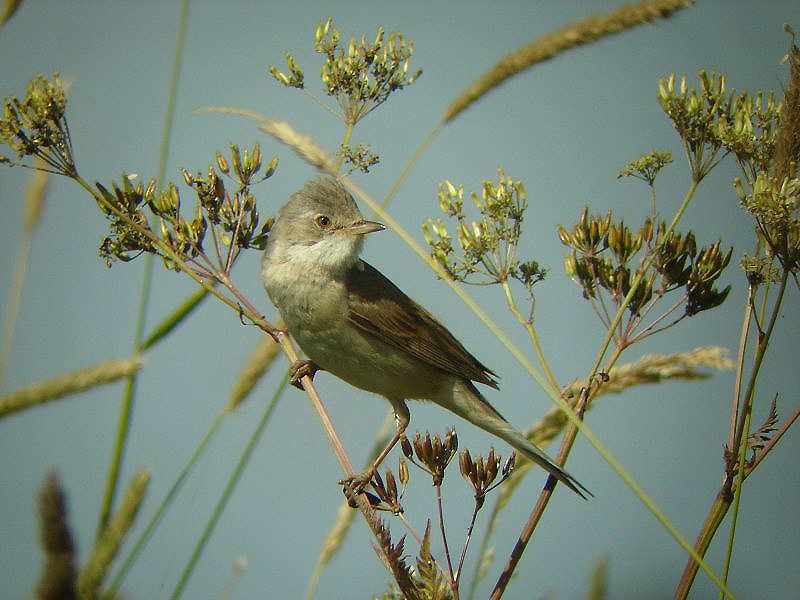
x,y
355,485
300,369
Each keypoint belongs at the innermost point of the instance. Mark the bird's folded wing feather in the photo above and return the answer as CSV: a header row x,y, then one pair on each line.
x,y
378,306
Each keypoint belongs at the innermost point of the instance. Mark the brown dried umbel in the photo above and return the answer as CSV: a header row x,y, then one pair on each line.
x,y
433,452
481,474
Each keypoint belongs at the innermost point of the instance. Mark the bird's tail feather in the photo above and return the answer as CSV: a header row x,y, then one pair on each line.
x,y
472,406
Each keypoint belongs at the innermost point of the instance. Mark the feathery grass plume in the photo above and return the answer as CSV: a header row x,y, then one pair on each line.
x,y
332,544
34,200
304,145
546,47
7,10
598,585
787,146
34,203
255,367
69,383
57,581
106,548
655,368
651,368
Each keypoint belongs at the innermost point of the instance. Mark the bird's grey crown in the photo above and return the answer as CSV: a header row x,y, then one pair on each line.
x,y
323,195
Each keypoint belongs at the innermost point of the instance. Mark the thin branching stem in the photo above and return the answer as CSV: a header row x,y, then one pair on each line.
x,y
177,485
467,540
222,502
737,499
737,382
528,325
722,503
440,509
126,410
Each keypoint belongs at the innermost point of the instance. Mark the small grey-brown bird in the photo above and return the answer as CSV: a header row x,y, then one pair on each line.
x,y
352,321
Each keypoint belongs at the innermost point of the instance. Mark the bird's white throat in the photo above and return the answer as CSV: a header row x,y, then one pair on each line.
x,y
335,253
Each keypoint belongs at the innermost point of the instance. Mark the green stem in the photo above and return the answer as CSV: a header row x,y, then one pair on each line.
x,y
126,410
737,498
165,504
512,306
14,301
577,425
410,164
222,502
348,134
724,498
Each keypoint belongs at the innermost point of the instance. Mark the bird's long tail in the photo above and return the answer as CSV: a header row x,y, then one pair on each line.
x,y
472,406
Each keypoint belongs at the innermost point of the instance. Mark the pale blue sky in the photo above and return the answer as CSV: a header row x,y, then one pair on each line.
x,y
564,128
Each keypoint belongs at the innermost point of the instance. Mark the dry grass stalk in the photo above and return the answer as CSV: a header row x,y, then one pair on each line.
x,y
57,581
67,384
787,145
576,34
255,367
106,548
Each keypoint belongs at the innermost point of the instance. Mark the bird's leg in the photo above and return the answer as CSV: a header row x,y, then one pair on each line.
x,y
301,368
354,485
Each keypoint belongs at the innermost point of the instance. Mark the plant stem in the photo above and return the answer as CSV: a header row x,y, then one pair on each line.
x,y
453,579
126,410
14,301
228,491
348,134
737,499
724,497
576,423
165,504
528,325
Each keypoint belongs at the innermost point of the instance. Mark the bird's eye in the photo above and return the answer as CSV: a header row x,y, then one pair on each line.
x,y
322,221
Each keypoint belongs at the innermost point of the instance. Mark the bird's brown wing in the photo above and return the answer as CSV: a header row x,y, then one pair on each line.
x,y
378,306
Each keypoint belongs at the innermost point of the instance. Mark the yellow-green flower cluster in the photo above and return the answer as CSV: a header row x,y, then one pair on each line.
x,y
605,257
487,246
37,126
711,119
361,76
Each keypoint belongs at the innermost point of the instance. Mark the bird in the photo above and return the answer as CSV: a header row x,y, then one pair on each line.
x,y
352,321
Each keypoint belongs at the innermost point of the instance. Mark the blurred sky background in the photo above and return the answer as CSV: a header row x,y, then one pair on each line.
x,y
565,128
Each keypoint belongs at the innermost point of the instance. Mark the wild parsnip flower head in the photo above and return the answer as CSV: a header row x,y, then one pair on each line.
x,y
388,496
775,205
231,217
360,77
709,119
434,452
604,259
647,167
487,251
36,126
481,474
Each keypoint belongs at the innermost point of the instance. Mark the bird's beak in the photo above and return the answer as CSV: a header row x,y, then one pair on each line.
x,y
362,227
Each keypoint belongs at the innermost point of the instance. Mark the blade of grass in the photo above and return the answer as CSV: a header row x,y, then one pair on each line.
x,y
175,318
251,373
34,201
222,502
126,410
68,384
